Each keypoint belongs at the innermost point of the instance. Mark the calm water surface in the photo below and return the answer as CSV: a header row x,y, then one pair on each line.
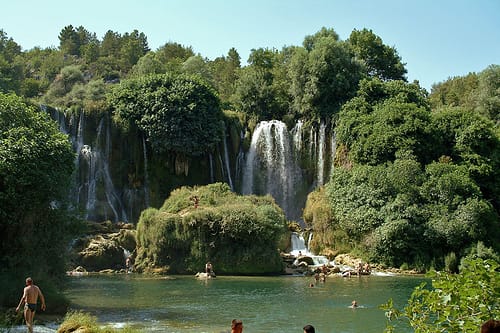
x,y
265,304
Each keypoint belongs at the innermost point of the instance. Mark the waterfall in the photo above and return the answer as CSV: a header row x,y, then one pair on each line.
x,y
312,144
93,167
321,155
334,151
146,176
240,159
79,134
126,253
222,170
298,244
226,160
271,167
297,135
211,162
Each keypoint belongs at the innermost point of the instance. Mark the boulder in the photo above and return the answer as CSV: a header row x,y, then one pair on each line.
x,y
100,254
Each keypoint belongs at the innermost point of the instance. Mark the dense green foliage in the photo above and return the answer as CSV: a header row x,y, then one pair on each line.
x,y
238,234
455,302
179,114
478,93
416,179
419,185
36,163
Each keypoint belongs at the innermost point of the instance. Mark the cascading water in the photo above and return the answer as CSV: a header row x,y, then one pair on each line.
x,y
93,174
211,163
297,135
334,150
272,168
299,246
272,165
99,172
146,177
321,155
226,164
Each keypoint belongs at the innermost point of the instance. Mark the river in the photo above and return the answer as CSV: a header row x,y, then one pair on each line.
x,y
276,304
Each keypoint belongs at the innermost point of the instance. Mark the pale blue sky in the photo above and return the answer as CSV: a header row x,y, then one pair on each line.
x,y
436,38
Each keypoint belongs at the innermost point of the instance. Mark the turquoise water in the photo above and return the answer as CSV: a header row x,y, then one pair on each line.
x,y
265,304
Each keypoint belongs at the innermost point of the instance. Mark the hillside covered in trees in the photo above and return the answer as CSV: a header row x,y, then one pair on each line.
x,y
415,177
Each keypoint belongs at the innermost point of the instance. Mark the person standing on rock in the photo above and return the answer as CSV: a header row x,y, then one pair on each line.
x,y
30,298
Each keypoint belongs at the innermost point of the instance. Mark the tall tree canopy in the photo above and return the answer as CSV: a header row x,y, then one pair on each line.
x,y
10,71
324,76
178,113
36,164
378,60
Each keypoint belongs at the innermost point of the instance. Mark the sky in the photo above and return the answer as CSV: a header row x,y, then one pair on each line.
x,y
437,39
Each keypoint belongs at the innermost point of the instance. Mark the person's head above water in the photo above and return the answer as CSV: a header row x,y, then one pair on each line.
x,y
309,329
236,326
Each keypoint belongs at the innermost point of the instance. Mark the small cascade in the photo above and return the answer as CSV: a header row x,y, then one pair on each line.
x,y
126,253
297,135
79,134
146,176
221,163
321,155
334,151
226,164
271,167
299,245
312,144
240,159
211,162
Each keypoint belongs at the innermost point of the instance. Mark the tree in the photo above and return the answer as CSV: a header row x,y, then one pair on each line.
x,y
489,93
257,91
456,91
11,73
133,47
469,139
383,119
111,44
378,60
172,50
36,164
196,65
179,114
310,41
455,302
147,64
69,41
225,72
325,78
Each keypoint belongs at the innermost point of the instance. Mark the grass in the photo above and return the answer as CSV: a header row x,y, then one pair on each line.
x,y
84,322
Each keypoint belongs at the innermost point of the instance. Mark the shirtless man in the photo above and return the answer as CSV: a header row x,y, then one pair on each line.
x,y
30,298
